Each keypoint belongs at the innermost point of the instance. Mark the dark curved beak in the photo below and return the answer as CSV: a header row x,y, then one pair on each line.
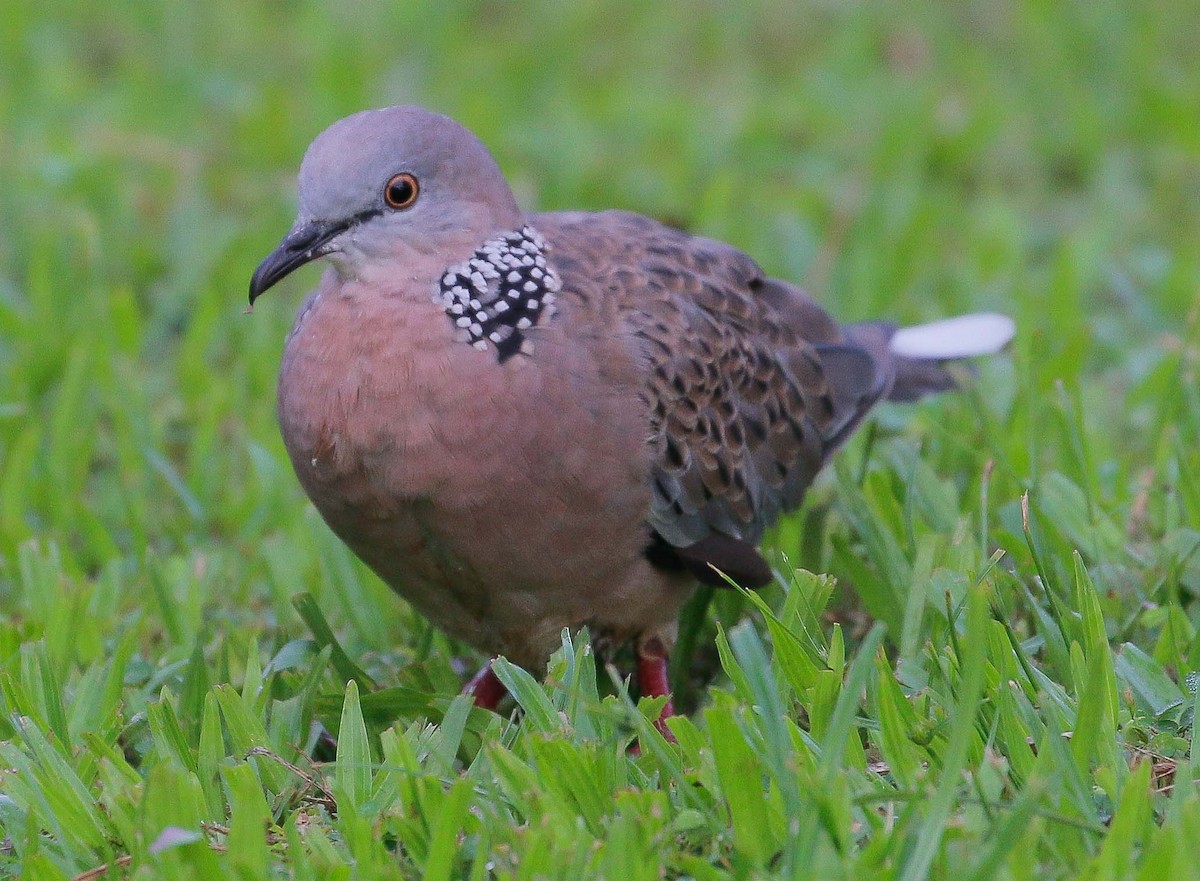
x,y
305,243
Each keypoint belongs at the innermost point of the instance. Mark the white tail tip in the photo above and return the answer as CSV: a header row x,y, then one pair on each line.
x,y
966,336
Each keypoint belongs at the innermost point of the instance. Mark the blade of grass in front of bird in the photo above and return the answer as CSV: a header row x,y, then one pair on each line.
x,y
249,818
446,826
314,618
772,721
353,773
540,714
962,730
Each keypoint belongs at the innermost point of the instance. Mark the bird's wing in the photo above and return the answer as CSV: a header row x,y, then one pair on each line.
x,y
748,384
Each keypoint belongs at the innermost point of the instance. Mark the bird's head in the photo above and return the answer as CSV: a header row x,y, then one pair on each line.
x,y
382,183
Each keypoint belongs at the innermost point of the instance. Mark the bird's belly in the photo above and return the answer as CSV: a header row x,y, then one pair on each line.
x,y
499,558
502,589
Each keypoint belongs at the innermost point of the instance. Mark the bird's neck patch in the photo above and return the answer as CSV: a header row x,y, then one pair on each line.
x,y
505,288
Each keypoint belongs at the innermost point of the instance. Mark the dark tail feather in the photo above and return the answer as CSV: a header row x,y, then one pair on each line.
x,y
738,559
916,379
916,357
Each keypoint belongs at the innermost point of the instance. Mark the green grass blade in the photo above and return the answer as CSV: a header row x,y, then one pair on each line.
x,y
353,774
962,732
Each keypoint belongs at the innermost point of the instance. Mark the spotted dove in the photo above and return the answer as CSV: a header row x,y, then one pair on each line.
x,y
525,422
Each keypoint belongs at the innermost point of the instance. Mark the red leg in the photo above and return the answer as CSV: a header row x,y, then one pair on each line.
x,y
487,690
652,680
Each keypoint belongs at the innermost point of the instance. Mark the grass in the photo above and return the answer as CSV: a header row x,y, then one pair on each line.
x,y
1000,682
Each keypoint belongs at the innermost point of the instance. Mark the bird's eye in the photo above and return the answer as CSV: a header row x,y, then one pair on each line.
x,y
401,191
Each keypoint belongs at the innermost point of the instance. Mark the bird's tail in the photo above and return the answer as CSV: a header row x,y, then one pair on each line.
x,y
918,355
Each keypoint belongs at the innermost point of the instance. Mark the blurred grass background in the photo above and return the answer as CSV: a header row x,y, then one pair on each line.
x,y
902,160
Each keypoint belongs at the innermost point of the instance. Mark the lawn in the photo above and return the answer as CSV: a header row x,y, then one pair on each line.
x,y
978,662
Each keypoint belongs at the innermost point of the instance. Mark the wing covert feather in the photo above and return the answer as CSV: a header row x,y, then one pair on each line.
x,y
741,412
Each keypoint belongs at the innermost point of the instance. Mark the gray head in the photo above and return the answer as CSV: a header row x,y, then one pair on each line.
x,y
383,183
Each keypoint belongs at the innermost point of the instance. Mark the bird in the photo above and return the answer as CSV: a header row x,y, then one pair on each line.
x,y
525,422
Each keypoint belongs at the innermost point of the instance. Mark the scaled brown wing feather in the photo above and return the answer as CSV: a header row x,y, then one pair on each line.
x,y
743,406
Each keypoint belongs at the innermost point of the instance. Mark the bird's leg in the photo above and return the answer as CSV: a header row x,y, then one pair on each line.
x,y
652,680
485,688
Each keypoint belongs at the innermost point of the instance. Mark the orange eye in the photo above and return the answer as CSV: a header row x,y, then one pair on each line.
x,y
401,191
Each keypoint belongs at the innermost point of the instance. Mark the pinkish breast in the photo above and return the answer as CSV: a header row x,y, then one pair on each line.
x,y
497,498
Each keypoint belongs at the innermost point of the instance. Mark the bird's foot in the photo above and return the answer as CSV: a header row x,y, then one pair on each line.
x,y
652,681
486,688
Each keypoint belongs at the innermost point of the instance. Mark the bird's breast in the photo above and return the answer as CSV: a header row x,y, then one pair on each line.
x,y
458,477
382,382
379,390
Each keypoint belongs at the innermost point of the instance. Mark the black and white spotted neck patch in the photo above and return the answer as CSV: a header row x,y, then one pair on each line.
x,y
505,288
